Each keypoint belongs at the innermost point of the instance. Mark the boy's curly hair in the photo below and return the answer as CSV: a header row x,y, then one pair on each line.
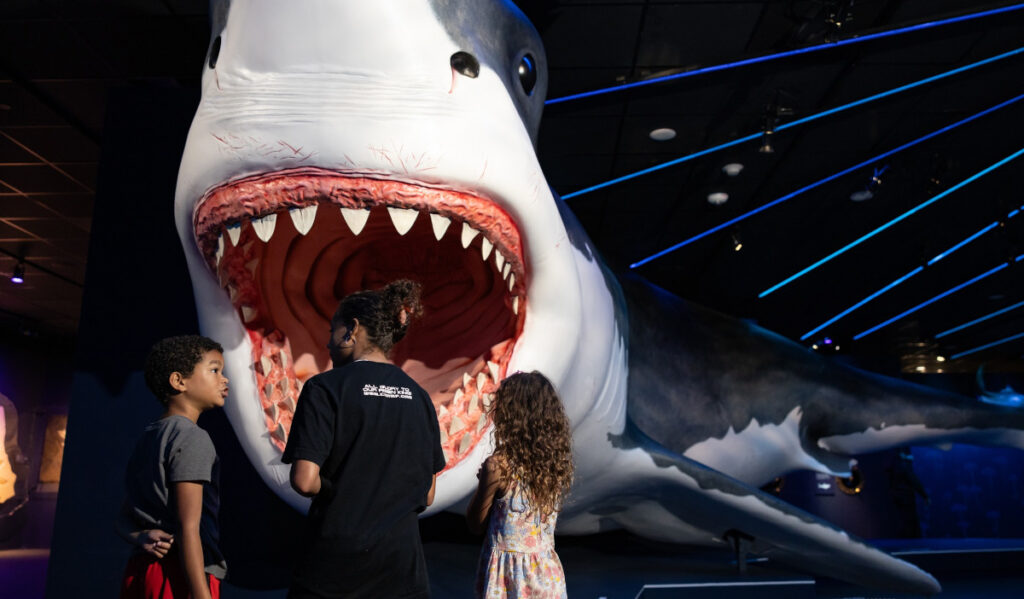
x,y
175,354
533,440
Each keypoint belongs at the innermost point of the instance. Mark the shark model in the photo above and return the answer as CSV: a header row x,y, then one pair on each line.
x,y
341,145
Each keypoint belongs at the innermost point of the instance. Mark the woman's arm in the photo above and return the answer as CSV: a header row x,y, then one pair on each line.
x,y
491,485
305,478
430,493
189,496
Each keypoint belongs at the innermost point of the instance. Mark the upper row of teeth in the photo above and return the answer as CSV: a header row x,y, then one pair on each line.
x,y
402,218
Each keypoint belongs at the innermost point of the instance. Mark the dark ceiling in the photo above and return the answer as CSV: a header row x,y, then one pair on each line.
x,y
59,58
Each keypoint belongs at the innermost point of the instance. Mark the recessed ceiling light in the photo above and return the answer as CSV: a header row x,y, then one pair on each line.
x,y
663,134
920,369
861,195
732,169
940,359
718,198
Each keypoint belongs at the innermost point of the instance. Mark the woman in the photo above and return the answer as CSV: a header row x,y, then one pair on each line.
x,y
365,446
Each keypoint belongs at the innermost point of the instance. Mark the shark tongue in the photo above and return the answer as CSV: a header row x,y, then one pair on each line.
x,y
285,270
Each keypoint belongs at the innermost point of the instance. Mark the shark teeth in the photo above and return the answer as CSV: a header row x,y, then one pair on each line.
x,y
402,218
440,225
234,231
264,227
468,233
355,218
303,218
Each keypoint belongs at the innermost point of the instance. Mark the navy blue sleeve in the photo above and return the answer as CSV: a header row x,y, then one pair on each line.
x,y
312,433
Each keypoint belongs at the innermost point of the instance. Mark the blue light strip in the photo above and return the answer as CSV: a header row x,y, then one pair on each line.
x,y
894,221
805,120
963,243
821,182
986,346
858,336
978,320
1013,213
861,302
798,51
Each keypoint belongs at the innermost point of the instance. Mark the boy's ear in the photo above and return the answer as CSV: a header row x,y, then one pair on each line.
x,y
177,382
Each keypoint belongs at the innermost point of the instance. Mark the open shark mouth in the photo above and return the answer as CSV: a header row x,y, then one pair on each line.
x,y
286,246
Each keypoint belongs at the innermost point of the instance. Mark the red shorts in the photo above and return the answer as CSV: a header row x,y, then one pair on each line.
x,y
146,577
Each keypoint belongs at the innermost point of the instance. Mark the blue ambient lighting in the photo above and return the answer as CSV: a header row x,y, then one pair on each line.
x,y
931,301
771,57
805,120
963,243
821,182
1013,213
986,346
862,302
894,221
977,320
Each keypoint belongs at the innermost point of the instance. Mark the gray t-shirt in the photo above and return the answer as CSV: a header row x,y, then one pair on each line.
x,y
175,449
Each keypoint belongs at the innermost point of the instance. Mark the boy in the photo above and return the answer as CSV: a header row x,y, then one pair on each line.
x,y
172,480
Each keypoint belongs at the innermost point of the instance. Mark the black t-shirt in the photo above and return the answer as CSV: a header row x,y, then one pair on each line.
x,y
374,433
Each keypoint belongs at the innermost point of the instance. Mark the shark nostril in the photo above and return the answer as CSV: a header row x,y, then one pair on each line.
x,y
466,64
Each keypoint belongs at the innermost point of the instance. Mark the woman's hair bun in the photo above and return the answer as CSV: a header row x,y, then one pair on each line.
x,y
400,300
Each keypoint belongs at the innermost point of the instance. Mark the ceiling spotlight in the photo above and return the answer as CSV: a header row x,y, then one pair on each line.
x,y
815,346
737,245
940,358
871,188
827,341
837,348
18,276
920,368
766,146
663,134
718,198
732,169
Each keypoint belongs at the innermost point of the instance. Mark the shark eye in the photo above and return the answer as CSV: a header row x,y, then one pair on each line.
x,y
527,72
214,52
466,64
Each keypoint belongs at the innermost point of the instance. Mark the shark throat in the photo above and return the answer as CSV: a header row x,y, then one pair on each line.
x,y
285,247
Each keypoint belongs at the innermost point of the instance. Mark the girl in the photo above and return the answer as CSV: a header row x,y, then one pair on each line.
x,y
522,486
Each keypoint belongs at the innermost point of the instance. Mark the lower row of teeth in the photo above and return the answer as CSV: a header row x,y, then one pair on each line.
x,y
464,419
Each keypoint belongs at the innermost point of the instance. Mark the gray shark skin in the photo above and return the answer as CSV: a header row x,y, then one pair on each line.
x,y
729,377
337,146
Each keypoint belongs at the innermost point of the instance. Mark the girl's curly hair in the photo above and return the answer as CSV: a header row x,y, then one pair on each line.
x,y
384,313
533,440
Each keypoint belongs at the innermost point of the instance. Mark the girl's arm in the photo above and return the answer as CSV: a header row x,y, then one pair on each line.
x,y
491,485
189,497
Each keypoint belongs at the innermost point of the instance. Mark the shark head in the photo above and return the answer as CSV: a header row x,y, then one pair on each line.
x,y
339,146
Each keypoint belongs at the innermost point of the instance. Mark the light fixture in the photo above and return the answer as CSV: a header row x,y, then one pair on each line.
x,y
871,188
737,245
920,368
732,169
662,134
18,276
717,198
940,358
981,319
766,146
809,187
797,51
987,345
814,346
801,121
892,222
983,275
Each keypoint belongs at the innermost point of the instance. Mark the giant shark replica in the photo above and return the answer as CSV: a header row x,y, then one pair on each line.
x,y
341,145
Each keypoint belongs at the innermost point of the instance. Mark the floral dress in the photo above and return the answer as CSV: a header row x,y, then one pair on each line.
x,y
518,559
